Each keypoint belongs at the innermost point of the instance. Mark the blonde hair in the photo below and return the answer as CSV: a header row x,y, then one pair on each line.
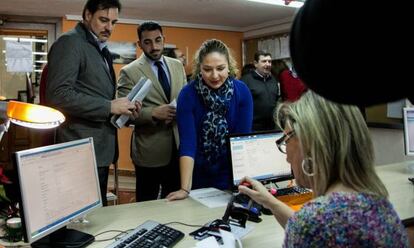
x,y
336,139
210,46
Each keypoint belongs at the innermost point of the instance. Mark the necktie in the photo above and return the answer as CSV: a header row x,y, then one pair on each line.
x,y
162,77
108,57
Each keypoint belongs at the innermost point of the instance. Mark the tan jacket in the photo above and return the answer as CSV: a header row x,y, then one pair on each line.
x,y
152,140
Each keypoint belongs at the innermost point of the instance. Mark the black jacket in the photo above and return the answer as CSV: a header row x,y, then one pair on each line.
x,y
265,93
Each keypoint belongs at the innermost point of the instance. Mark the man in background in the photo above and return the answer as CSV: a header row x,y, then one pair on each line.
x,y
176,54
155,138
81,84
265,91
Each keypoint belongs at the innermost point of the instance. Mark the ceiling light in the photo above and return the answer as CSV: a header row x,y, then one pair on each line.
x,y
286,3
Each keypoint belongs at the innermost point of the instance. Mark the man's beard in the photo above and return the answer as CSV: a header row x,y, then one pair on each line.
x,y
154,56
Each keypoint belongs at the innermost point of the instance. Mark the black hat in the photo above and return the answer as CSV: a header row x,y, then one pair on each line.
x,y
354,52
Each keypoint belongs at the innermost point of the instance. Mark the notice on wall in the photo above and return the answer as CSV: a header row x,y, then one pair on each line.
x,y
19,56
284,47
395,109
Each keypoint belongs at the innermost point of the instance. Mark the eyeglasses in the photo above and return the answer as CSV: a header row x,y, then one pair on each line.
x,y
281,143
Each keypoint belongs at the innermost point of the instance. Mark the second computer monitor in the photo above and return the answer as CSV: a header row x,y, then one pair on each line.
x,y
257,156
409,131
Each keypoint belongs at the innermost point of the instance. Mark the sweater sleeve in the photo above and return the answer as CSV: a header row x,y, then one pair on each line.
x,y
304,228
245,110
186,122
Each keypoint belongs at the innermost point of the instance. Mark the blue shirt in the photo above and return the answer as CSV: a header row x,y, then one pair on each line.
x,y
190,113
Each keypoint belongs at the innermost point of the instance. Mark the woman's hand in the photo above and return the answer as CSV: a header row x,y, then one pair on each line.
x,y
257,193
262,196
177,195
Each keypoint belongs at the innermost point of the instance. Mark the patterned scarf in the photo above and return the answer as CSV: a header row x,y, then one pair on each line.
x,y
214,127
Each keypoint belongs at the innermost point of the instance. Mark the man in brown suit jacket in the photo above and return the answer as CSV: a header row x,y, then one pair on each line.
x,y
155,138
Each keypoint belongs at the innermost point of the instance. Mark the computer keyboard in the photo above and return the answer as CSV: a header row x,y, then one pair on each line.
x,y
295,190
150,234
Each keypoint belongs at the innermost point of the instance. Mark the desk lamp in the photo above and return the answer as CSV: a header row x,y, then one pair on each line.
x,y
28,115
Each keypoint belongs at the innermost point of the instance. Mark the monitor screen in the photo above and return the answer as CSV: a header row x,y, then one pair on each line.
x,y
408,114
257,156
58,183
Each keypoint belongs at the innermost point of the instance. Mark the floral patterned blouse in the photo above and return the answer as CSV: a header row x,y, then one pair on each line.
x,y
346,220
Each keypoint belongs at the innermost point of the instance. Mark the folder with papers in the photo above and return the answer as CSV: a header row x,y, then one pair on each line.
x,y
137,93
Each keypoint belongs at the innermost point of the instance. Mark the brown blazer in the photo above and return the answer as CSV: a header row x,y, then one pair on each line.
x,y
152,140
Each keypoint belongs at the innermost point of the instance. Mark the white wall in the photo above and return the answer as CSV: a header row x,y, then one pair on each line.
x,y
388,146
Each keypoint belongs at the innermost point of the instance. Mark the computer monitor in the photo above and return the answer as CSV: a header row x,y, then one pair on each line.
x,y
58,184
408,115
257,156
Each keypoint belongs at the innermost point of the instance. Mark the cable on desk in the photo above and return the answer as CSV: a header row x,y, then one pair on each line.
x,y
181,223
115,237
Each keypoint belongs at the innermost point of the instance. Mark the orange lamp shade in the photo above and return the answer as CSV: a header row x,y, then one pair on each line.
x,y
33,115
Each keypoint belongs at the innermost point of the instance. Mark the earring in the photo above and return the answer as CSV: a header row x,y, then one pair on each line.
x,y
307,167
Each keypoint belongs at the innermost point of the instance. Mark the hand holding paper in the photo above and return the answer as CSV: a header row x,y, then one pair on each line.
x,y
137,93
121,106
172,104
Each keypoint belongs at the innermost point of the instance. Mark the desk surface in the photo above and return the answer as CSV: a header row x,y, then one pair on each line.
x,y
128,216
268,233
400,190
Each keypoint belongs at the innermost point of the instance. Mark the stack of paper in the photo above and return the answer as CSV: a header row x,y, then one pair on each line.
x,y
137,93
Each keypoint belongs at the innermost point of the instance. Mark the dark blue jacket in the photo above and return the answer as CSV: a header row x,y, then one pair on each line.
x,y
190,113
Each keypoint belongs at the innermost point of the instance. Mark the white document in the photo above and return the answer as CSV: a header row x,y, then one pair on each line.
x,y
137,93
211,197
19,56
209,242
240,232
173,103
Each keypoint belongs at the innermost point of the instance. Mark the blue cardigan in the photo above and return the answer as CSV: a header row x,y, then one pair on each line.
x,y
190,113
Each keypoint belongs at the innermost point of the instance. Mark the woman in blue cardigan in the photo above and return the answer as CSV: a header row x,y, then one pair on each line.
x,y
210,107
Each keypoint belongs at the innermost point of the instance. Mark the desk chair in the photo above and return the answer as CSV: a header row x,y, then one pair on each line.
x,y
115,195
29,89
48,136
42,87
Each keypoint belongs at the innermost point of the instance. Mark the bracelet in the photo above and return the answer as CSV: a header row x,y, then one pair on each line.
x,y
188,192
